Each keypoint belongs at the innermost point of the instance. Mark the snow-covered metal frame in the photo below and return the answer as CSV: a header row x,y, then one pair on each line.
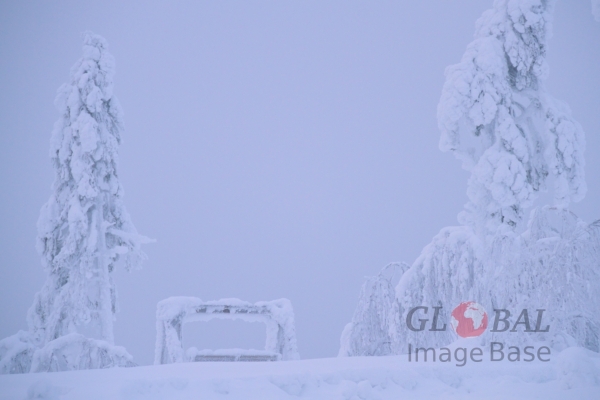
x,y
173,312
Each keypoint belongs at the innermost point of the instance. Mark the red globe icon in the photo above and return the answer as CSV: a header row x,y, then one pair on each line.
x,y
469,319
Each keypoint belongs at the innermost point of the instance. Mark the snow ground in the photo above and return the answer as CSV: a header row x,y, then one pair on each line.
x,y
572,374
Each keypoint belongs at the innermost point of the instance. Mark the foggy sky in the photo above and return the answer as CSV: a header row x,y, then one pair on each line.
x,y
273,149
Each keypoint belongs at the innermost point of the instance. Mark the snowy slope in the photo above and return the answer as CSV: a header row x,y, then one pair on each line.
x,y
573,374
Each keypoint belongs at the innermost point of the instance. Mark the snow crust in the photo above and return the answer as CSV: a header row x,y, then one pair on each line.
x,y
572,374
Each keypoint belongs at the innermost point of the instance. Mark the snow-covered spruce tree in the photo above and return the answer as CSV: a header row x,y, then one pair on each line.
x,y
83,229
497,118
515,139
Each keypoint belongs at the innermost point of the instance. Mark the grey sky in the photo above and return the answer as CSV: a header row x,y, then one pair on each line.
x,y
273,149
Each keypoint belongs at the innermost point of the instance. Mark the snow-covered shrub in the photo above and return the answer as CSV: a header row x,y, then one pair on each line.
x,y
74,351
19,354
496,117
552,266
369,332
444,275
16,352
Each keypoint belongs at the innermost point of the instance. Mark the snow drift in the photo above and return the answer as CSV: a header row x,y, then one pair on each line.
x,y
572,374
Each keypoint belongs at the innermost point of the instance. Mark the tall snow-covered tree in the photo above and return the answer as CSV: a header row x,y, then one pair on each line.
x,y
84,229
496,116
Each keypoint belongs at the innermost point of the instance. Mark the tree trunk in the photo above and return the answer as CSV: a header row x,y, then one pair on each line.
x,y
105,306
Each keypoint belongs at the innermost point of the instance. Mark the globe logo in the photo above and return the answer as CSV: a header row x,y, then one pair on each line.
x,y
469,319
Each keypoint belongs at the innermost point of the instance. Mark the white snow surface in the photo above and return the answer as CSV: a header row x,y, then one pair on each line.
x,y
572,374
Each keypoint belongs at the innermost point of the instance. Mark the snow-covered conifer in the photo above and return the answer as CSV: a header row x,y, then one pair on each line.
x,y
84,228
496,117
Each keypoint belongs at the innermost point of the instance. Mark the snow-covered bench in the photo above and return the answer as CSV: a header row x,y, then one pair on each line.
x,y
173,312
